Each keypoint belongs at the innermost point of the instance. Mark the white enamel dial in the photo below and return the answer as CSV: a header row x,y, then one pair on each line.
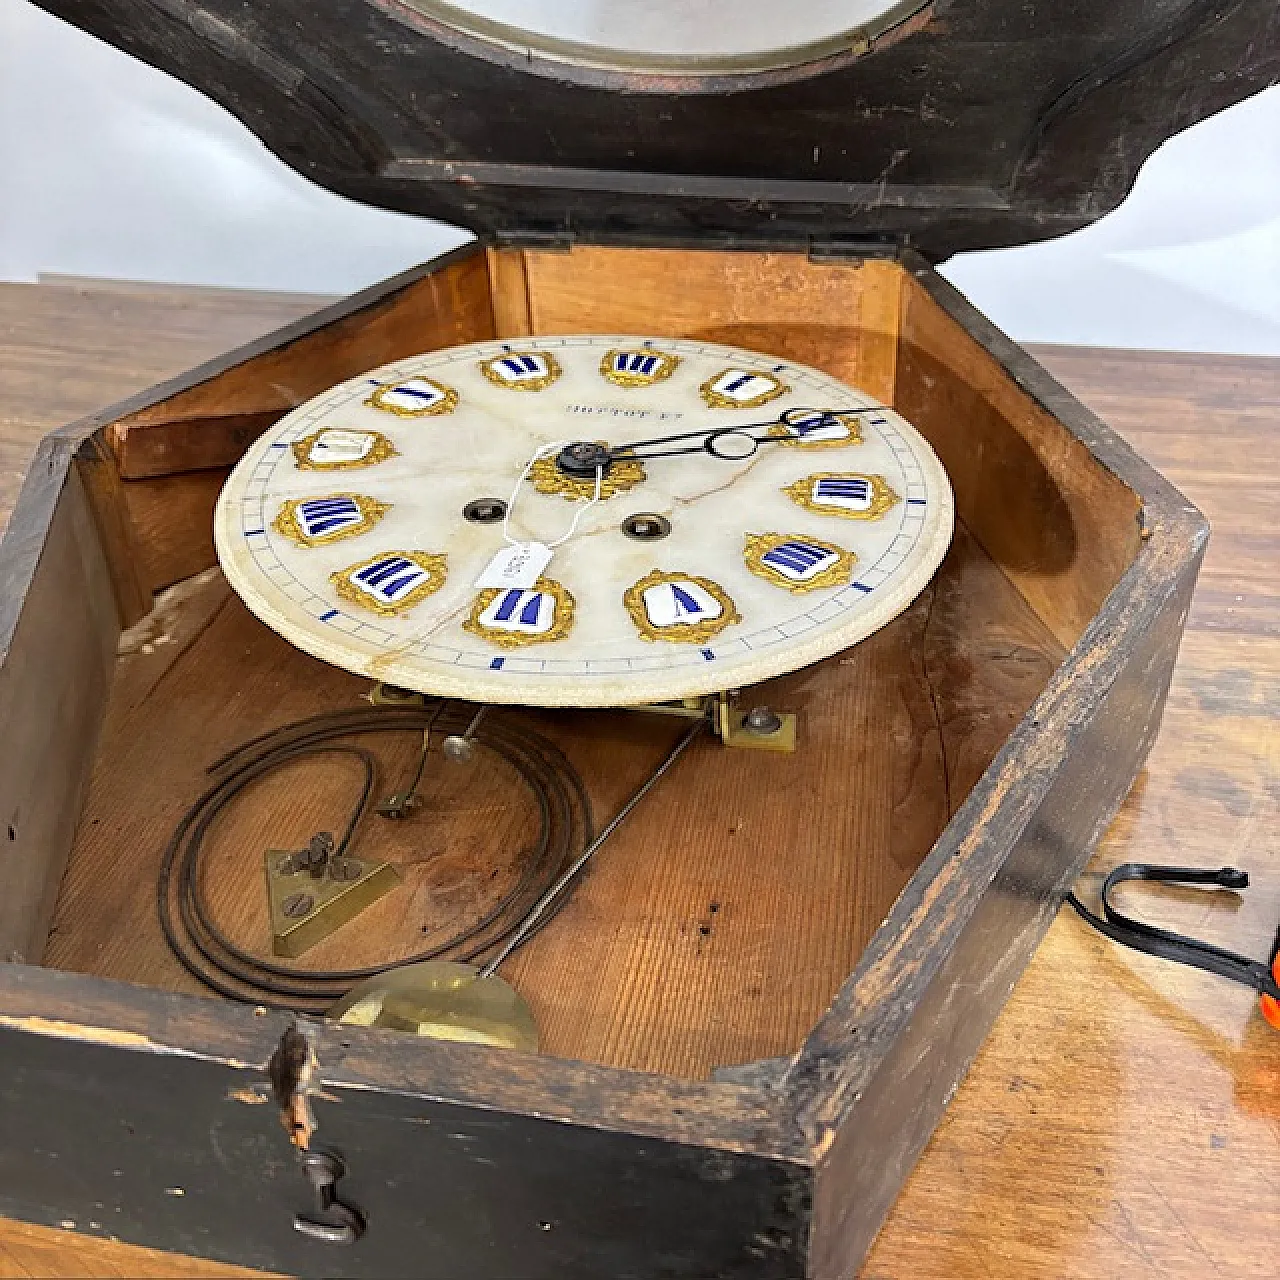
x,y
767,549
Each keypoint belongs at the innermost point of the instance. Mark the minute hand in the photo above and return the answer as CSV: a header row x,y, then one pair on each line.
x,y
736,443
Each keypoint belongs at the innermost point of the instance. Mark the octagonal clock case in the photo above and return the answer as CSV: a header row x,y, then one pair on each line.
x,y
700,355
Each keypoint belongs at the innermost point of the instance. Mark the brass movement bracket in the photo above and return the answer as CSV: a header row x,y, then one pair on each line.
x,y
760,729
757,729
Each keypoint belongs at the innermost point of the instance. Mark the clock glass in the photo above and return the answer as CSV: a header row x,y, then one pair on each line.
x,y
584,520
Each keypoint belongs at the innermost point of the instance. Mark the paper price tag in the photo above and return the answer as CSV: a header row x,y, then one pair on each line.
x,y
519,565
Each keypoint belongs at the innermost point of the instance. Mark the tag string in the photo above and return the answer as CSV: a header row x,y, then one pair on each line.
x,y
542,451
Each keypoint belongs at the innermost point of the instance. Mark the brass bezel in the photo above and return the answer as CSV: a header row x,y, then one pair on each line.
x,y
287,524
665,369
717,400
447,405
539,383
381,450
883,496
851,420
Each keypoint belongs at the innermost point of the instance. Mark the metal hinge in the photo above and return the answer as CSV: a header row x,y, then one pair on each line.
x,y
846,248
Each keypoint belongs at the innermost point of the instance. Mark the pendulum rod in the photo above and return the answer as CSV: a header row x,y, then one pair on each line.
x,y
529,925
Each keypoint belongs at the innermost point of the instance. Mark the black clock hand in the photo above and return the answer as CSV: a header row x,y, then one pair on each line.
x,y
735,443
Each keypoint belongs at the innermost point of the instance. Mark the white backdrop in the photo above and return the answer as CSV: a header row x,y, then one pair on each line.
x,y
111,169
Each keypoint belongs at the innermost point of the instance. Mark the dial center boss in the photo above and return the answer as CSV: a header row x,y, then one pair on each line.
x,y
584,458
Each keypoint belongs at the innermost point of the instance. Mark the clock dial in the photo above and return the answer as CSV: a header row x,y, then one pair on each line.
x,y
713,556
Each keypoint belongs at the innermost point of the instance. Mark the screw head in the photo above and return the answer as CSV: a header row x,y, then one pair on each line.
x,y
646,526
297,905
762,720
484,510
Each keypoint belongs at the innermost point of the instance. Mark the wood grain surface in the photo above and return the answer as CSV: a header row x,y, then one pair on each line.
x,y
719,924
820,313
1123,1119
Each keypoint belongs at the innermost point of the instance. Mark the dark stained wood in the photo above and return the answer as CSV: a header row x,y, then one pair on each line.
x,y
965,125
902,1030
1121,1118
190,1153
55,669
936,1017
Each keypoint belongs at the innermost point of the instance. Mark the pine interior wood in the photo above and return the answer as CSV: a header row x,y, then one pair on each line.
x,y
717,923
1060,526
123,549
171,522
509,286
205,425
841,317
174,456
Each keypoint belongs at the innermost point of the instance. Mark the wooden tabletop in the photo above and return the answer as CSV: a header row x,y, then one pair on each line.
x,y
1123,1118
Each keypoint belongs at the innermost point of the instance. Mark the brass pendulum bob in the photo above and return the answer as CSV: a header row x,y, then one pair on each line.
x,y
444,1000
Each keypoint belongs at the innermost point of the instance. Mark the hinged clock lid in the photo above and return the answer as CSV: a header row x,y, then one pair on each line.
x,y
832,123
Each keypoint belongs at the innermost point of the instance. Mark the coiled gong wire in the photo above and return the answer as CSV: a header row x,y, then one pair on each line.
x,y
564,837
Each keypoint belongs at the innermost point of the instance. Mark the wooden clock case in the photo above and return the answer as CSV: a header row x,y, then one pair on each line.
x,y
765,993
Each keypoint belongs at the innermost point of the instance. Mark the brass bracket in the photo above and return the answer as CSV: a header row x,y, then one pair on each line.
x,y
759,729
391,695
308,903
756,729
